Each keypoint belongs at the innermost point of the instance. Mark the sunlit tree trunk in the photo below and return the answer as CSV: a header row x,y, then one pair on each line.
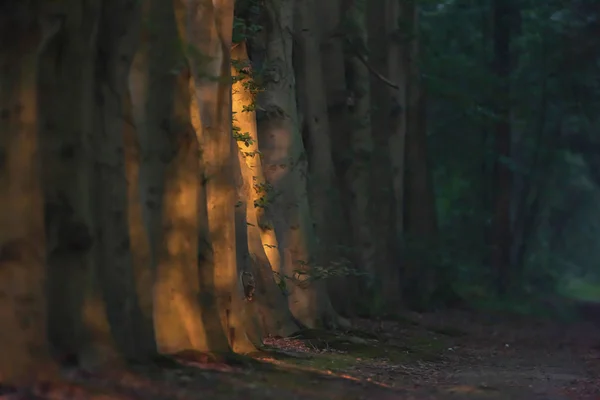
x,y
270,304
206,28
23,342
285,169
185,316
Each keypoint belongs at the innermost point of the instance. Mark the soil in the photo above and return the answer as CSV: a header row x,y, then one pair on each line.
x,y
449,355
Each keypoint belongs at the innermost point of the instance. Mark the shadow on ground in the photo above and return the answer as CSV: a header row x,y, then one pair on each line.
x,y
430,356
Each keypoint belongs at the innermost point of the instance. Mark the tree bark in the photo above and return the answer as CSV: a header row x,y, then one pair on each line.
x,y
387,45
420,209
77,320
270,303
332,253
24,31
358,175
328,15
117,42
183,296
285,169
206,28
503,13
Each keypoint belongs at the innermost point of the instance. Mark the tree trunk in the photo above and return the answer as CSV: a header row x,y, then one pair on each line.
x,y
331,228
270,303
140,247
421,220
285,170
23,342
169,186
328,15
387,45
358,173
206,28
117,42
74,291
503,13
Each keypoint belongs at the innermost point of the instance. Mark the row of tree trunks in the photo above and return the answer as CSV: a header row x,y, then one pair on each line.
x,y
147,224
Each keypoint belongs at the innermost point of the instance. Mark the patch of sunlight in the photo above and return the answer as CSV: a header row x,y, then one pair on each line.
x,y
582,289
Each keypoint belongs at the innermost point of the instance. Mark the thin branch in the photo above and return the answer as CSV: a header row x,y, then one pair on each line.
x,y
372,69
360,57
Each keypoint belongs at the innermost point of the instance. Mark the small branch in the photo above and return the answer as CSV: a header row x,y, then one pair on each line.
x,y
372,70
360,57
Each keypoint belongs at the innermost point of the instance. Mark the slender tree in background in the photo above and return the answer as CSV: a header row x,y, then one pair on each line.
x,y
503,16
419,279
388,43
359,150
328,23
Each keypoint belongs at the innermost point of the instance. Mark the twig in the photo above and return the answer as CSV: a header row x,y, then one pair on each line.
x,y
372,69
361,58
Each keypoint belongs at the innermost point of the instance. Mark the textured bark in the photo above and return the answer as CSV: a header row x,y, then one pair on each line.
x,y
285,169
23,342
78,324
184,315
117,42
140,247
206,28
387,50
358,175
329,19
328,16
266,299
331,228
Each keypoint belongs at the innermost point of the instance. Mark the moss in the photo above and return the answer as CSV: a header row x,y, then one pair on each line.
x,y
579,289
412,349
329,362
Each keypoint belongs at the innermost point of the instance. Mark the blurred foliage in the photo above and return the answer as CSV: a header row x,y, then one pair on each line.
x,y
555,88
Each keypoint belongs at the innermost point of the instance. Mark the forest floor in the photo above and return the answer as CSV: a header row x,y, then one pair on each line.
x,y
449,355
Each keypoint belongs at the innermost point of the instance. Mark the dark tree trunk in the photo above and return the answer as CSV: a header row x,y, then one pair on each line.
x,y
503,18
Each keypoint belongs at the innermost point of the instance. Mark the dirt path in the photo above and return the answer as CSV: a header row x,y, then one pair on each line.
x,y
443,356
